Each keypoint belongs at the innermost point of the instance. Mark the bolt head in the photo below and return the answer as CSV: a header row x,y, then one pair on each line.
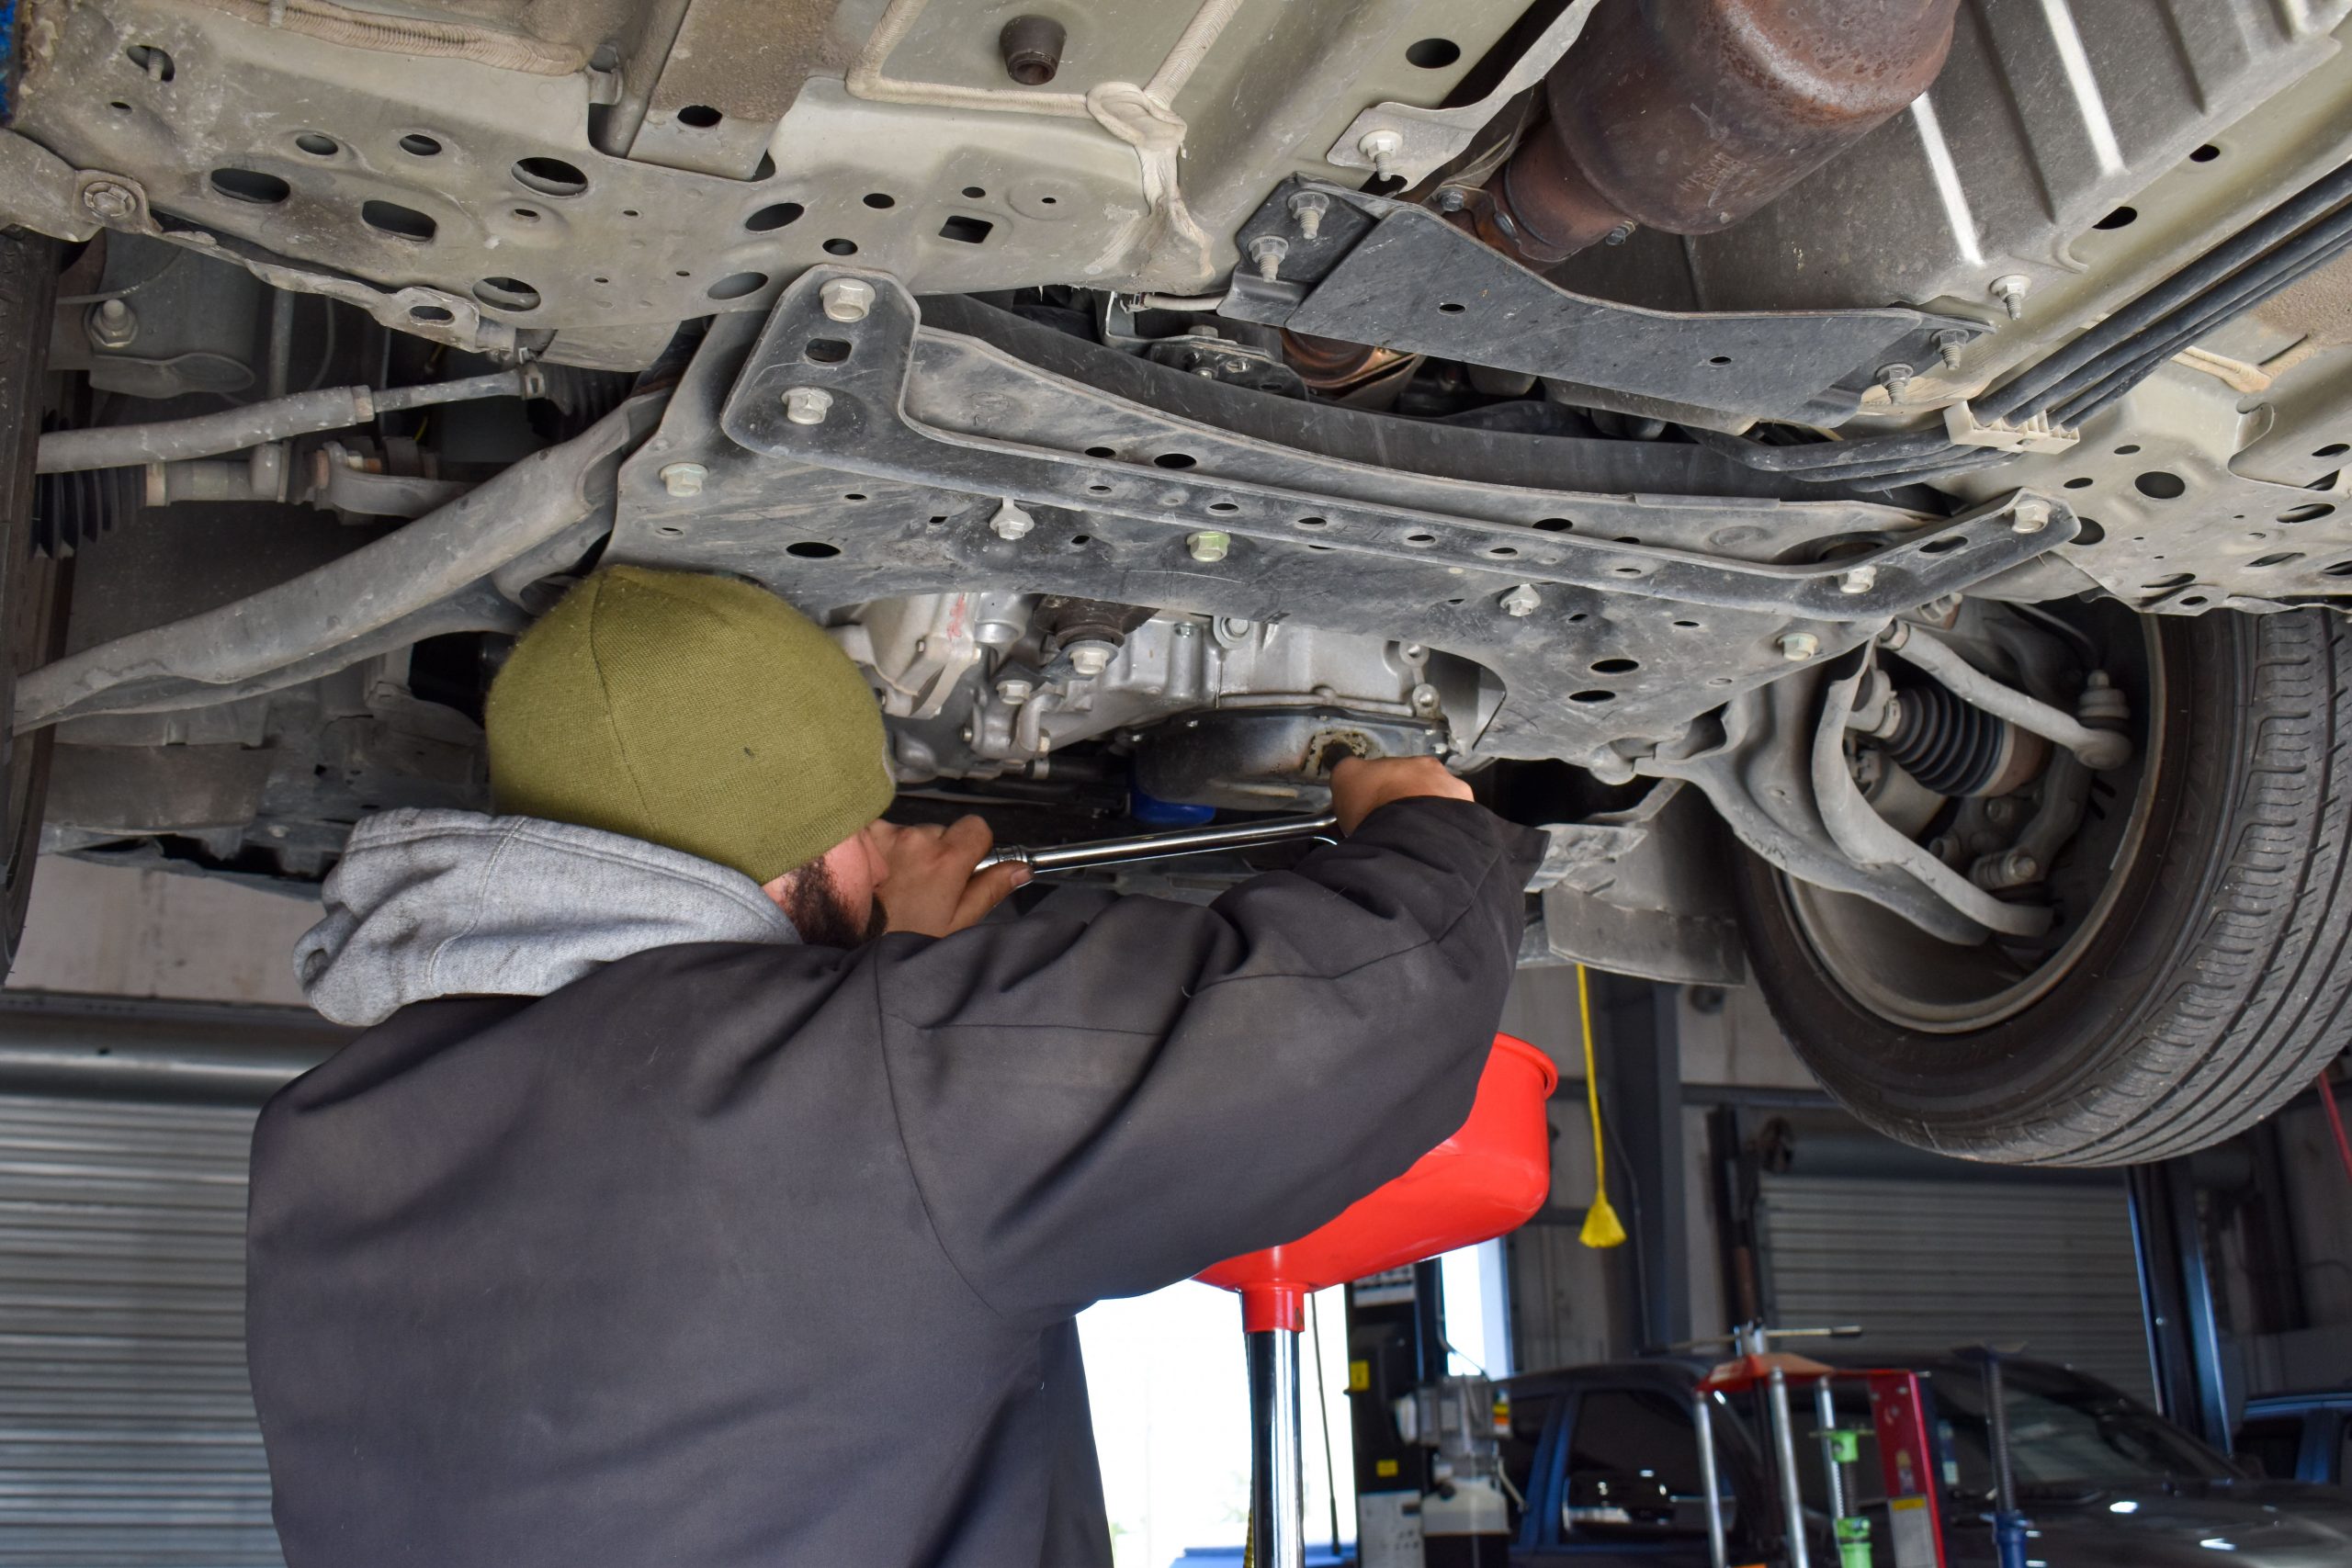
x,y
108,200
1015,691
808,405
1451,199
1860,580
1011,522
1091,659
684,479
2031,515
1380,145
1798,647
847,298
2010,290
1521,602
1208,546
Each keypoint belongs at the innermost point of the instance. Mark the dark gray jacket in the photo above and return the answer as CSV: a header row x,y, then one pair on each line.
x,y
744,1252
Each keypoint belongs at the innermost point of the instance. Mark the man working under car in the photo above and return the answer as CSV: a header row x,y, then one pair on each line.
x,y
713,1186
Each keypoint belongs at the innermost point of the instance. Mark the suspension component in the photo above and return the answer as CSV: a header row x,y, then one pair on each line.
x,y
1955,747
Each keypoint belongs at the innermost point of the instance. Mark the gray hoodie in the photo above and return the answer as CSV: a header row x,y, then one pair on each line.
x,y
431,904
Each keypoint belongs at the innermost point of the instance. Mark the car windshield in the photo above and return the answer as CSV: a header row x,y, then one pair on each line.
x,y
2067,1434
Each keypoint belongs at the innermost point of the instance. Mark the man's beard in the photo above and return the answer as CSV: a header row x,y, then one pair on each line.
x,y
813,902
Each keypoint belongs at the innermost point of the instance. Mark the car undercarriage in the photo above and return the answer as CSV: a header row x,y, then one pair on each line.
x,y
1866,478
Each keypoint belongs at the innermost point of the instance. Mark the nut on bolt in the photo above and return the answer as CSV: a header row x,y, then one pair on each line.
x,y
1011,522
2011,288
1381,147
1798,647
1306,209
684,479
111,324
109,200
1267,251
1521,602
1950,345
847,298
1208,546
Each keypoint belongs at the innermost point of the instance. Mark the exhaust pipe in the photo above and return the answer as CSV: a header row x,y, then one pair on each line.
x,y
1689,114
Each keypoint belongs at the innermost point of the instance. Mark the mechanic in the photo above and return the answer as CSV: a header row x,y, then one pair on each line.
x,y
665,1212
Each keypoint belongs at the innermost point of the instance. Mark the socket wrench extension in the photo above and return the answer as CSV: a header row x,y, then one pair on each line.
x,y
1160,846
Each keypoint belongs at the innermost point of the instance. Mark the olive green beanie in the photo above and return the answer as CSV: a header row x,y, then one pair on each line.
x,y
697,712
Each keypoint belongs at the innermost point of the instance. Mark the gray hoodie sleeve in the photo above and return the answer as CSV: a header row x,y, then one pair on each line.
x,y
1099,1103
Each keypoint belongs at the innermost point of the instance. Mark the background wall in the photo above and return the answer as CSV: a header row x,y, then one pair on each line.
x,y
119,931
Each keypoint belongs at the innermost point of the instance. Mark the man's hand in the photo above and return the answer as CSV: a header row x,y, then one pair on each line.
x,y
931,888
1361,787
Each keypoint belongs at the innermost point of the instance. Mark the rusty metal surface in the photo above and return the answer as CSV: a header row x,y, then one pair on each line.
x,y
1689,114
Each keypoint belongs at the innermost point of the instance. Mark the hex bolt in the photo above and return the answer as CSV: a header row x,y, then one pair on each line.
x,y
1208,546
1267,251
1798,647
1308,208
1950,345
112,324
684,479
1011,522
1895,378
1032,47
1451,199
1618,235
110,201
1859,579
2019,867
1521,602
2011,288
2030,516
1381,147
1090,658
1014,690
808,405
847,299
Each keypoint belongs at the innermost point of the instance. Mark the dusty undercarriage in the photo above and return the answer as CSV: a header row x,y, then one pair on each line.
x,y
1866,477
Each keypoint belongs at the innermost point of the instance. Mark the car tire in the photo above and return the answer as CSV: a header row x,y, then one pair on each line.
x,y
2214,988
31,584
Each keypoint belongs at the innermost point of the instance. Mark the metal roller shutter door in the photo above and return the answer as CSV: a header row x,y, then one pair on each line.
x,y
1927,1264
127,1432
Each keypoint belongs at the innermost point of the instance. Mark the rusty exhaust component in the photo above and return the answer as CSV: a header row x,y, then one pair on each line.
x,y
1689,114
